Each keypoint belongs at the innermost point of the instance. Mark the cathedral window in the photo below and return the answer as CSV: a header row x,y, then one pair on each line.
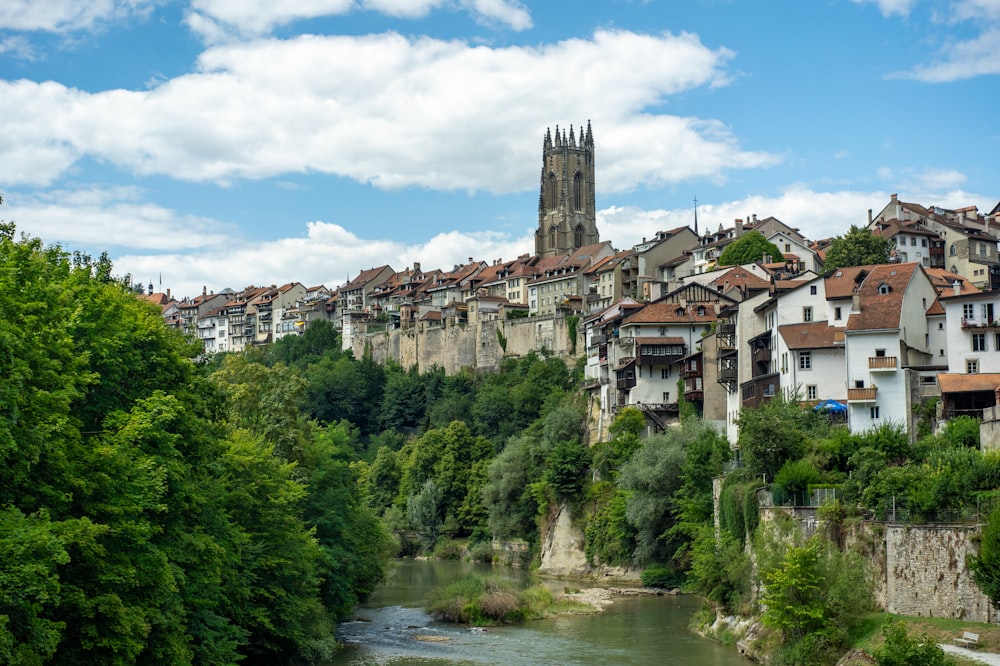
x,y
578,237
552,200
552,237
578,192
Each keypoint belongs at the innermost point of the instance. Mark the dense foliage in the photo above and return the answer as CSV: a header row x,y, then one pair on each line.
x,y
148,515
858,247
748,248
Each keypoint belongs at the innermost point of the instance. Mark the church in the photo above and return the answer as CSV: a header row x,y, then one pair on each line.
x,y
567,209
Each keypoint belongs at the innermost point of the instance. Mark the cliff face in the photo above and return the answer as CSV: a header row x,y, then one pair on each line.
x,y
562,548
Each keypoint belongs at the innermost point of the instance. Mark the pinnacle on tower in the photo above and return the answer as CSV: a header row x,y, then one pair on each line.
x,y
572,138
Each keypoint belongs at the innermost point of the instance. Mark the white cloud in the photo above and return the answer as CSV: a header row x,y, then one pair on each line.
x,y
328,254
218,20
936,180
891,7
105,218
62,16
387,110
962,60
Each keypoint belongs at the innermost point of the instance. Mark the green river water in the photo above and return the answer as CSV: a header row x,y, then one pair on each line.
x,y
635,630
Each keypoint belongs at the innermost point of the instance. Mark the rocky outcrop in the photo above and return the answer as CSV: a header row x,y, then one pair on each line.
x,y
562,548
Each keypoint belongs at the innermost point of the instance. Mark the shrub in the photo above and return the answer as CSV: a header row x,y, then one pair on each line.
x,y
662,577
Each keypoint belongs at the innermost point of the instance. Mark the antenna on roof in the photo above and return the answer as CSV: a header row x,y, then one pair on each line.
x,y
696,216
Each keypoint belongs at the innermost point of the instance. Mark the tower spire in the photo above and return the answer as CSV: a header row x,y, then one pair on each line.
x,y
696,215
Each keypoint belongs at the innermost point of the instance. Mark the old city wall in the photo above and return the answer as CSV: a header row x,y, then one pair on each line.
x,y
918,570
477,346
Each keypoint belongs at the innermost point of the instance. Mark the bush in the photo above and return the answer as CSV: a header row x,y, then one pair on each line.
x,y
482,552
662,577
446,549
900,649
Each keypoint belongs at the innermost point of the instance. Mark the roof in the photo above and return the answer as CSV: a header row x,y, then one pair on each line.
x,y
670,340
936,308
667,313
956,383
944,283
878,310
813,335
364,277
843,282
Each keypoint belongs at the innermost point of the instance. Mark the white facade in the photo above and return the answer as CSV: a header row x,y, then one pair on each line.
x,y
973,332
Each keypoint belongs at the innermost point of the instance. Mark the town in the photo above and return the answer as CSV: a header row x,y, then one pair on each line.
x,y
665,321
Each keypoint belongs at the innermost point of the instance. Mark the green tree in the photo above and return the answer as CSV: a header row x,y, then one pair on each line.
x,y
985,565
748,248
858,247
772,435
424,512
794,591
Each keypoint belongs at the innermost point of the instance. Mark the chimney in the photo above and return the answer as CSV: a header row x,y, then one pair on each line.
x,y
739,227
855,303
869,216
957,287
204,290
168,293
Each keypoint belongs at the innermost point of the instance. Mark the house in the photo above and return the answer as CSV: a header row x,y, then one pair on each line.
x,y
887,346
973,334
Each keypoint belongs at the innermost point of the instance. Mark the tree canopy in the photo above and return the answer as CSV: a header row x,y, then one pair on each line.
x,y
748,248
858,247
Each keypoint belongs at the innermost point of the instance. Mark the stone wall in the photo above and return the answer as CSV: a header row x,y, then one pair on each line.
x,y
918,570
477,346
926,573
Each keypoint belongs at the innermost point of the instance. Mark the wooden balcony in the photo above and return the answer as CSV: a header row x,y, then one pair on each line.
x,y
882,363
761,355
728,374
866,394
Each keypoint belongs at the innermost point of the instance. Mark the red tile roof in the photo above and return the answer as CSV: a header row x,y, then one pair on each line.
x,y
666,313
882,311
956,383
813,335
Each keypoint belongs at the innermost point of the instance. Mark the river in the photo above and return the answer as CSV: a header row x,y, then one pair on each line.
x,y
393,630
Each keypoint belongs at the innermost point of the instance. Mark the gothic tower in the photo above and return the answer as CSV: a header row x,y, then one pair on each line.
x,y
567,209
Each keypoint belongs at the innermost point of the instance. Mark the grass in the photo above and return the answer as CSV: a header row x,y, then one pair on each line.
x,y
941,630
480,601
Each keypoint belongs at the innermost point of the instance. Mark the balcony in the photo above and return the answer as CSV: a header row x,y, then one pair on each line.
x,y
728,374
726,329
866,394
694,395
759,390
882,363
688,372
761,355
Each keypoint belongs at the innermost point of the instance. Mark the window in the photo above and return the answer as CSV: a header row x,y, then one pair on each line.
x,y
913,240
883,288
923,242
972,367
880,352
788,247
578,237
666,397
665,373
978,342
578,191
859,383
987,312
968,311
952,251
812,290
811,392
874,412
982,249
836,313
805,360
807,313
940,325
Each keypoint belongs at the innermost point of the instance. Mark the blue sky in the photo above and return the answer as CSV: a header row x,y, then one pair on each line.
x,y
222,143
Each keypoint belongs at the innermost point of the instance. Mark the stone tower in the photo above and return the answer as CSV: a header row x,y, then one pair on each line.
x,y
567,209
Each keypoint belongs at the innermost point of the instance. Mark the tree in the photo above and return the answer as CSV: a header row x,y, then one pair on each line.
x,y
985,565
858,247
748,248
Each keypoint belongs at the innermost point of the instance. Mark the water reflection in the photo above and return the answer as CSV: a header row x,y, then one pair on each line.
x,y
393,630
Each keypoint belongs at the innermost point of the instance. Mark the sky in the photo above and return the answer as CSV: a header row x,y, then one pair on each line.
x,y
206,144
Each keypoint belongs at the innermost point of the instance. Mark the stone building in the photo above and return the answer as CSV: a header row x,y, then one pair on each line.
x,y
567,207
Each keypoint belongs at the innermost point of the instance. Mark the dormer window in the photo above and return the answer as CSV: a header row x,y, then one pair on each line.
x,y
701,311
883,288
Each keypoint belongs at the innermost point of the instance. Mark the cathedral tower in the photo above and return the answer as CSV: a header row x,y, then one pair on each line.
x,y
567,209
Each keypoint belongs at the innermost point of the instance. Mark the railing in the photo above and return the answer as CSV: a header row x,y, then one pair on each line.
x,y
726,329
866,394
728,374
761,355
882,363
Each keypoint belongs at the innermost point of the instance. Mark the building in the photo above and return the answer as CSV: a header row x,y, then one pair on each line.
x,y
567,208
